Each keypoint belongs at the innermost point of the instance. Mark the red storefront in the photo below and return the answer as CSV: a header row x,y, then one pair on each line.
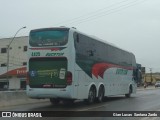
x,y
13,79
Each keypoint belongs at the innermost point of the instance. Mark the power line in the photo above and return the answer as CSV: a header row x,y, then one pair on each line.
x,y
98,14
90,14
105,13
101,13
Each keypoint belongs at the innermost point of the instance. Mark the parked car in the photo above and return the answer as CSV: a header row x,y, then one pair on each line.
x,y
157,84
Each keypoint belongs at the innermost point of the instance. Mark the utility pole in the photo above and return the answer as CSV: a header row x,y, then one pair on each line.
x,y
8,46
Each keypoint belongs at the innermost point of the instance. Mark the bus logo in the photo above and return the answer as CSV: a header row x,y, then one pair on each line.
x,y
54,54
121,71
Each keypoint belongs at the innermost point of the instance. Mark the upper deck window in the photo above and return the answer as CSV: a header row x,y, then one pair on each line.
x,y
48,37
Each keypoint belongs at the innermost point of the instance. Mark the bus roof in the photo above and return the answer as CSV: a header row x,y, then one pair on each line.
x,y
91,36
101,40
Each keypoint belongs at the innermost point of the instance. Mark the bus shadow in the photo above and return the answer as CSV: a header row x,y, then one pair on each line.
x,y
78,104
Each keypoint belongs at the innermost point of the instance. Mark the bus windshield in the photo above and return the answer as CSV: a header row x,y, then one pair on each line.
x,y
48,37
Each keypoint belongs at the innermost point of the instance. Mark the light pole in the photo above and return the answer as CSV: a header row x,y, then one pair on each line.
x,y
8,46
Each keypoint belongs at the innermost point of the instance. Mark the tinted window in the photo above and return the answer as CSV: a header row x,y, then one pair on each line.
x,y
48,37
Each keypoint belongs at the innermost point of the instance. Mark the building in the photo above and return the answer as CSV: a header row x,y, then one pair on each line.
x,y
151,78
16,76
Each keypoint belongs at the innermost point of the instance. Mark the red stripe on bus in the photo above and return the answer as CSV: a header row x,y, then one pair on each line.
x,y
52,49
99,68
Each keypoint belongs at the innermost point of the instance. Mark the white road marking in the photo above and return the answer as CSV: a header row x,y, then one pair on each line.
x,y
150,118
85,109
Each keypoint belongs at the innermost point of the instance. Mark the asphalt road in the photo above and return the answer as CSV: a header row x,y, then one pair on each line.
x,y
143,100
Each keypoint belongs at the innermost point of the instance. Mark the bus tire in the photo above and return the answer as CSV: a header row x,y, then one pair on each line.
x,y
91,95
100,97
128,95
54,101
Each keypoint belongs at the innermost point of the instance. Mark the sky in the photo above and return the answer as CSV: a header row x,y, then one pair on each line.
x,y
133,25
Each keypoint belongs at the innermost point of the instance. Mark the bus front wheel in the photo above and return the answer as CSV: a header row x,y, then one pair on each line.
x,y
128,95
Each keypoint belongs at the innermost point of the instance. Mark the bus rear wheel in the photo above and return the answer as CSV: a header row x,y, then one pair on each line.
x,y
100,94
91,95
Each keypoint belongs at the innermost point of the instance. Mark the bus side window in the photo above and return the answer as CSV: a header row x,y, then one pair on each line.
x,y
76,39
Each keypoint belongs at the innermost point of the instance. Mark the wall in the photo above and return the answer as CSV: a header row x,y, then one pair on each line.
x,y
16,52
14,83
17,56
